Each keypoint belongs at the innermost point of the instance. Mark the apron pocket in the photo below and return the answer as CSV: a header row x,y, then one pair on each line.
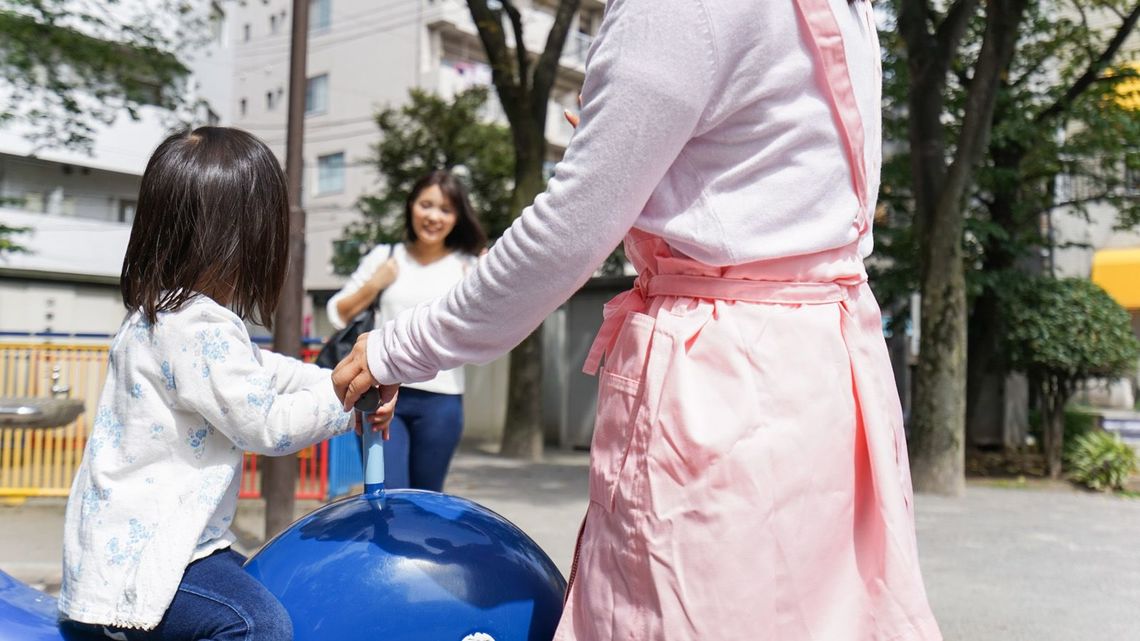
x,y
613,431
619,400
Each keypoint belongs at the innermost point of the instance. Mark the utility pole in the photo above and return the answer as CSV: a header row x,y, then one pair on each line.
x,y
279,474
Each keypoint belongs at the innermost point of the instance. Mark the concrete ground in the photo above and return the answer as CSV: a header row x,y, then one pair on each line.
x,y
1041,562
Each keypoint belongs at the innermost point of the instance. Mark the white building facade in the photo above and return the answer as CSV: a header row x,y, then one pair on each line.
x,y
78,207
365,55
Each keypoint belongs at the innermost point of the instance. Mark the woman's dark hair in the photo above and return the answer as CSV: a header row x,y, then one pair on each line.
x,y
468,235
212,218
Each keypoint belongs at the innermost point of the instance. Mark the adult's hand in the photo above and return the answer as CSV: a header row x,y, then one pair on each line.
x,y
352,378
573,119
385,274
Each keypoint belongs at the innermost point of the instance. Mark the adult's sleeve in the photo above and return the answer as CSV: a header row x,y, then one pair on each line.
x,y
649,79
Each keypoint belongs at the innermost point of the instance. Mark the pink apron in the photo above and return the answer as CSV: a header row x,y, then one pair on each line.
x,y
749,475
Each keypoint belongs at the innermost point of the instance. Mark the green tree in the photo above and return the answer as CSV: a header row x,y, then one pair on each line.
x,y
976,98
524,82
1061,333
7,244
431,133
68,67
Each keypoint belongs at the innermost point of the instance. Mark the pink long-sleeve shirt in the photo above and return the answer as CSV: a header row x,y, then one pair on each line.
x,y
704,123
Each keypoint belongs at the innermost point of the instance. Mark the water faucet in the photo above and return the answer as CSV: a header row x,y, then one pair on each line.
x,y
58,390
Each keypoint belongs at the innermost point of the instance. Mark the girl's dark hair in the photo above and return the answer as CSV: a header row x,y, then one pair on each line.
x,y
212,218
468,235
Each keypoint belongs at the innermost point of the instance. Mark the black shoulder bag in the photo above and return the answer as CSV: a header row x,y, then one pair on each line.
x,y
340,344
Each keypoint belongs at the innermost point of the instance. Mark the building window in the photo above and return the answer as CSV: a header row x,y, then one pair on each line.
x,y
273,25
330,174
243,107
246,32
127,211
320,14
317,95
212,119
273,98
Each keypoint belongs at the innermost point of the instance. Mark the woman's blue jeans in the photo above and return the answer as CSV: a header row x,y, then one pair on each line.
x,y
422,439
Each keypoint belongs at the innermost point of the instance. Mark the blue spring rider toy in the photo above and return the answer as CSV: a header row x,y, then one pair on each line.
x,y
387,565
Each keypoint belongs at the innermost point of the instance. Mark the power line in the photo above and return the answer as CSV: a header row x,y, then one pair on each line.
x,y
279,40
364,29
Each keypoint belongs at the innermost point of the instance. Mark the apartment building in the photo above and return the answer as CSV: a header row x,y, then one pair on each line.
x,y
365,55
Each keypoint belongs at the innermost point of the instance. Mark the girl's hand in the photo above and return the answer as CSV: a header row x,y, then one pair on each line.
x,y
385,274
382,417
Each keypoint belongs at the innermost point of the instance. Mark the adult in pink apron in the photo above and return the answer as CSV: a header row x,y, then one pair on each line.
x,y
749,474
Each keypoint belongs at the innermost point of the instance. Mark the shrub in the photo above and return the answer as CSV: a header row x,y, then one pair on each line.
x,y
1101,461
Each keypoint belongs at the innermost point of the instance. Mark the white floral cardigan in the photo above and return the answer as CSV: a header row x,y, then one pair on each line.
x,y
158,485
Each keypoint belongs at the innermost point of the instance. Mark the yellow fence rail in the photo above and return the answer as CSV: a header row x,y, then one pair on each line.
x,y
42,462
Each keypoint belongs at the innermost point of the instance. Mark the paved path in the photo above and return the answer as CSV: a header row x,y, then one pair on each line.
x,y
1001,564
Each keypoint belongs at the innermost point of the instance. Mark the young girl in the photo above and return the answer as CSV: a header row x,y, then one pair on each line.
x,y
147,538
748,471
444,240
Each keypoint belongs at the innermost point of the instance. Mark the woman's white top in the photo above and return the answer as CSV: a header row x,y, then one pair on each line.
x,y
159,480
705,123
415,284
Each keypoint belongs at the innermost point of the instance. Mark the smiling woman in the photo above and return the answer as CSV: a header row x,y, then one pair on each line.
x,y
443,240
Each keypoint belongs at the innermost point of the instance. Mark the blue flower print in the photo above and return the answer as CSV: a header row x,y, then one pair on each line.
x,y
333,419
211,532
210,347
136,391
107,430
196,438
142,331
130,550
214,485
283,444
262,393
94,499
156,431
168,374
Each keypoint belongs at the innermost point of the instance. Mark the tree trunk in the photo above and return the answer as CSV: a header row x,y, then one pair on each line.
x,y
938,417
1053,429
986,372
523,435
938,420
986,363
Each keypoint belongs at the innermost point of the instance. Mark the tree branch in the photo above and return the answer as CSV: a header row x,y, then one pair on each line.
x,y
914,26
949,34
521,56
547,67
1090,75
494,39
1003,18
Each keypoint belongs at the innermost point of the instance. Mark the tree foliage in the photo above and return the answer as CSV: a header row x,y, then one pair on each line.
x,y
426,134
977,95
1062,332
1057,116
69,66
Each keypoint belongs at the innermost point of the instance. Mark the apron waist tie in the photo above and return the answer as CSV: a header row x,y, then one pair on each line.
x,y
706,287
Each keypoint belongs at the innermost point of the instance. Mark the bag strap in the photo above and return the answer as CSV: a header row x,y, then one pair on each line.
x,y
376,303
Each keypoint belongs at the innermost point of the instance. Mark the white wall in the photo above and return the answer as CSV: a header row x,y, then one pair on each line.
x,y
46,306
66,189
